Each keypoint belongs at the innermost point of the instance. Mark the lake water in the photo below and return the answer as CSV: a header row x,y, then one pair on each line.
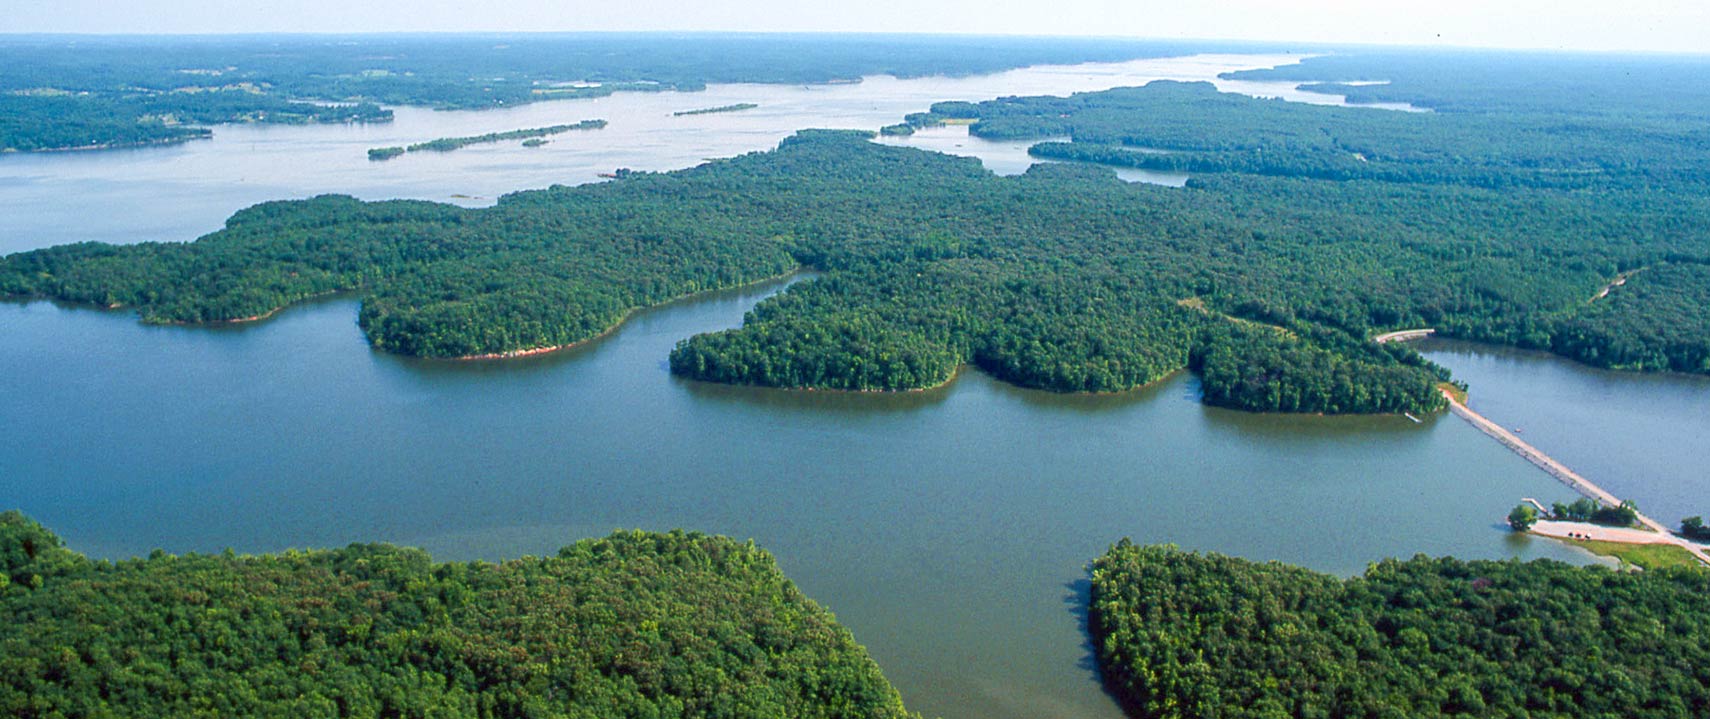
x,y
179,193
1642,437
948,529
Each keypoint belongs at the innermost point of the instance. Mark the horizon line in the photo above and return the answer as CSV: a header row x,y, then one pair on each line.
x,y
1316,44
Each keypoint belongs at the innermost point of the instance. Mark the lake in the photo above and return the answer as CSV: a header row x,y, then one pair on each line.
x,y
948,529
1642,437
178,193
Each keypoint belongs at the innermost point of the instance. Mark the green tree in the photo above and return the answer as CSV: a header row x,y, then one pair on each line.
x,y
1523,517
1693,527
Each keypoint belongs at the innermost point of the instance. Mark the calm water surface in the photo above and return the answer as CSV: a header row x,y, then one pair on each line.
x,y
1642,437
948,529
179,193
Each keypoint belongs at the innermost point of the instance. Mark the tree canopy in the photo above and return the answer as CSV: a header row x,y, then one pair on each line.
x,y
1204,635
636,624
1308,230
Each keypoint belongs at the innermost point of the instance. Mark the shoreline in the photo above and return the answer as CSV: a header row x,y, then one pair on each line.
x,y
621,321
962,368
1652,528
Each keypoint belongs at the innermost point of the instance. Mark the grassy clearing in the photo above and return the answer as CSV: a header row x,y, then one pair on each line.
x,y
1644,556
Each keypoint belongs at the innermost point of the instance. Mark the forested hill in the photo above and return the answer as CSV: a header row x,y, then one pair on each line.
x,y
1186,635
88,91
633,625
1566,197
1064,278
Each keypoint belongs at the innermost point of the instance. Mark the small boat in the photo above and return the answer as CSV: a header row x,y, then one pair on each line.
x,y
1409,415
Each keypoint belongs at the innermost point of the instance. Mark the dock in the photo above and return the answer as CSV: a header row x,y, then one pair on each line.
x,y
1403,336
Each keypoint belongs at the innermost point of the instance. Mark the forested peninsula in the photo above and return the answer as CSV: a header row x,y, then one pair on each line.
x,y
1306,231
738,107
636,624
447,144
1184,635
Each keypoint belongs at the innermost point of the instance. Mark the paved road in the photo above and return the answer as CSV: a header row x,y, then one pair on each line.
x,y
1658,533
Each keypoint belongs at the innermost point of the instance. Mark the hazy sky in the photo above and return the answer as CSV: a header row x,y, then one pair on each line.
x,y
1657,25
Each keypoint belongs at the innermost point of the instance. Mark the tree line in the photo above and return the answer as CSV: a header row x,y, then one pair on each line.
x,y
1182,634
636,624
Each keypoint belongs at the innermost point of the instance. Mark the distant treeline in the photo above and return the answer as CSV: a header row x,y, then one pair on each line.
x,y
447,144
738,107
634,625
73,121
61,92
1204,635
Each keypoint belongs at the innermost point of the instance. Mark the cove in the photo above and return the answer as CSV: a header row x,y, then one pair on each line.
x,y
948,529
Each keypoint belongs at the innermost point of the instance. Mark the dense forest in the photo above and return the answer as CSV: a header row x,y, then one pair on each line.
x,y
1304,231
1617,196
1203,635
447,144
62,92
633,625
1065,279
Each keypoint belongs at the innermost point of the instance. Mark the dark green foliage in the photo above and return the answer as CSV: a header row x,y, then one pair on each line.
x,y
1191,127
1064,279
633,625
922,120
1588,510
447,144
85,91
1655,320
1266,278
1515,221
1277,370
1622,515
30,554
897,130
1693,528
1203,635
738,107
1522,517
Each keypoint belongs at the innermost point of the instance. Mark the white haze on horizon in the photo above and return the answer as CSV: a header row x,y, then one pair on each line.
x,y
1671,26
